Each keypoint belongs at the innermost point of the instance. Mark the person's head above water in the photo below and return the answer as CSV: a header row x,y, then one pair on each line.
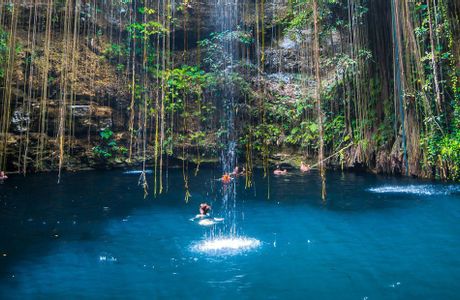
x,y
304,167
204,208
278,171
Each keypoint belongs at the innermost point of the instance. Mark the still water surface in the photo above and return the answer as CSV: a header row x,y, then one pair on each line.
x,y
94,236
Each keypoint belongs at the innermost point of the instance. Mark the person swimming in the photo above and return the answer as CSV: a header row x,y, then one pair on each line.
x,y
237,172
226,178
205,208
204,216
3,175
278,171
304,168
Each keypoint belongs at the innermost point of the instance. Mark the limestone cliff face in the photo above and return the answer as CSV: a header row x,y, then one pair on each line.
x,y
96,94
98,83
94,82
97,86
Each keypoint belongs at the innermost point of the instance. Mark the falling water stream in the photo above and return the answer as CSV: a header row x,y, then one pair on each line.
x,y
226,237
226,20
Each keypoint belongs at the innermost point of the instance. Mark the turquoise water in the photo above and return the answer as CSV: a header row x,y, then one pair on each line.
x,y
94,236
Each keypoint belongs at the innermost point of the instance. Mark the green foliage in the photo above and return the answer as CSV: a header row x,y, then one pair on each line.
x,y
108,146
115,51
334,129
198,138
182,82
444,152
3,51
299,20
146,10
383,135
106,134
304,135
443,55
144,30
341,61
120,68
449,153
332,15
216,58
184,89
266,134
365,54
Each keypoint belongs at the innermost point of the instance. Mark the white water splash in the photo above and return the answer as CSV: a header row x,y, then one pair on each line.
x,y
427,190
226,245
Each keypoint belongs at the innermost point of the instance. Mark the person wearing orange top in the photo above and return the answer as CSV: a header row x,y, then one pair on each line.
x,y
226,178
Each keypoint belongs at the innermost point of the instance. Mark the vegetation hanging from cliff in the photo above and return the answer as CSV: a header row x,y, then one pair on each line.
x,y
378,78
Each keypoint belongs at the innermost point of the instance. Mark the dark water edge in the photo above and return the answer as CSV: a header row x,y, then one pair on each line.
x,y
291,163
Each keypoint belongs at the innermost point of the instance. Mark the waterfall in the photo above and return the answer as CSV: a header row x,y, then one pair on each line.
x,y
226,238
226,18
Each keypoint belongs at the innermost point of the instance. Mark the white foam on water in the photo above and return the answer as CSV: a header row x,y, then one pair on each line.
x,y
428,190
226,245
209,222
206,222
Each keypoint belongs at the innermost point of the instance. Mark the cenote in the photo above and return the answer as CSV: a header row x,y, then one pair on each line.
x,y
95,236
229,149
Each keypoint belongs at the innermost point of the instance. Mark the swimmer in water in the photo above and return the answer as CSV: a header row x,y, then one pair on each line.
x,y
3,175
204,217
205,208
304,168
226,179
236,172
278,171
